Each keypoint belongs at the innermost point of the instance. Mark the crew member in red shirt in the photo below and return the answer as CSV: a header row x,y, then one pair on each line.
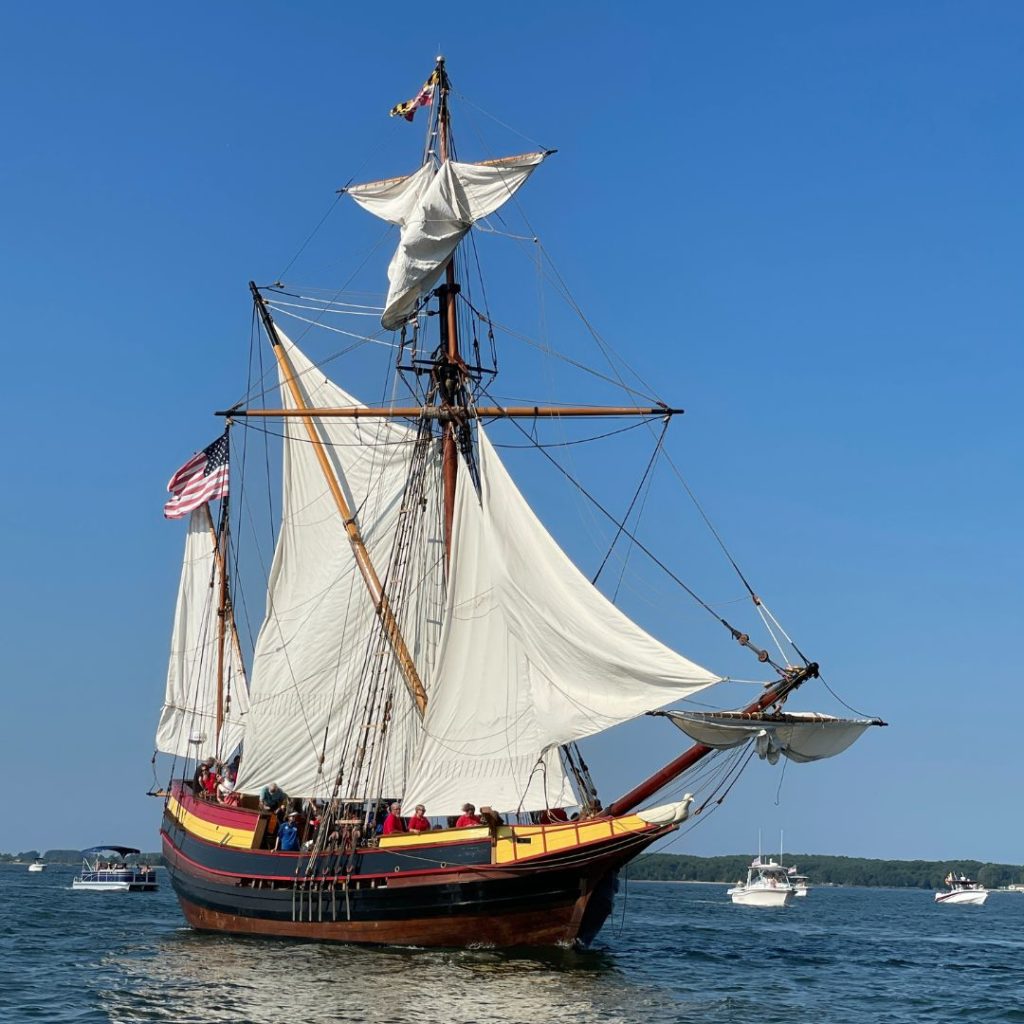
x,y
468,817
393,822
418,822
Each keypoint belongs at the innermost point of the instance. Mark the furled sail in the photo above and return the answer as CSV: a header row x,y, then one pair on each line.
x,y
531,656
188,720
310,668
801,736
435,207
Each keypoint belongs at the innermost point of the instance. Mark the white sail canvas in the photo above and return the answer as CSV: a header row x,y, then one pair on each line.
x,y
532,656
800,736
188,719
309,676
435,207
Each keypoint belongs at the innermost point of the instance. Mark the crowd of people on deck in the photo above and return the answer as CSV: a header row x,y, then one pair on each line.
x,y
214,781
294,825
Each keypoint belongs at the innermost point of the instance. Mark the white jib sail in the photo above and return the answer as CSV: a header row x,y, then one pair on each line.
x,y
188,720
531,656
309,673
435,207
801,736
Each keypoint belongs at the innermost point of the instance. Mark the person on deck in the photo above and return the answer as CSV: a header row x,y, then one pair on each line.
x,y
210,781
552,816
393,822
288,834
203,769
418,822
468,817
272,798
226,790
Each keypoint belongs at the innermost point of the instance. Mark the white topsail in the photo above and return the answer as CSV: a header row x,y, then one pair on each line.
x,y
532,656
188,721
309,673
435,207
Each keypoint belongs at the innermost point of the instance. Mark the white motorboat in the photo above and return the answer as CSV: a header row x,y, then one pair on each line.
x,y
37,865
799,883
963,891
105,869
767,885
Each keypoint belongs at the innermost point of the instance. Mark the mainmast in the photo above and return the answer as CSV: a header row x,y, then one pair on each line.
x,y
449,370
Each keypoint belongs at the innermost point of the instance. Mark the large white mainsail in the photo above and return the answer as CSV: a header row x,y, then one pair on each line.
x,y
435,207
532,656
309,674
188,720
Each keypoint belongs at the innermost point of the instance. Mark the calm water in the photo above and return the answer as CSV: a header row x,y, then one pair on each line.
x,y
680,953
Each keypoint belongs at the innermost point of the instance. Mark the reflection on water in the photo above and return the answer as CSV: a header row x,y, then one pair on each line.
x,y
192,977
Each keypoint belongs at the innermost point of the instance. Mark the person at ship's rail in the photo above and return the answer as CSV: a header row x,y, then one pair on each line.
x,y
418,822
288,834
468,817
274,800
203,769
393,822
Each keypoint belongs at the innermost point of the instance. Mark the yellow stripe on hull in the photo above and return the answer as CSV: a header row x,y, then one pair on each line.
x,y
522,842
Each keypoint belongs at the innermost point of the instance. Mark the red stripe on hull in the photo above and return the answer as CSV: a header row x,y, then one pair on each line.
x,y
216,814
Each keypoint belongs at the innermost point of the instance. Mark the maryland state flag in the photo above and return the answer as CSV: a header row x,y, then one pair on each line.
x,y
422,99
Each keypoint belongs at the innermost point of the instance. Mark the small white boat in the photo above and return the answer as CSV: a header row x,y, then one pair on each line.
x,y
37,865
105,869
963,891
767,885
799,883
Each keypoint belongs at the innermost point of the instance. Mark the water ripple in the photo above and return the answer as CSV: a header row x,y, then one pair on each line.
x,y
680,954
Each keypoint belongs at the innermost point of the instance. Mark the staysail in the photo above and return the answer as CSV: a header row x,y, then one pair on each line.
x,y
310,668
435,207
801,736
188,720
531,656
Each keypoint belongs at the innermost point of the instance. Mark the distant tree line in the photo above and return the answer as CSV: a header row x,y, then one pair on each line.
x,y
66,857
820,869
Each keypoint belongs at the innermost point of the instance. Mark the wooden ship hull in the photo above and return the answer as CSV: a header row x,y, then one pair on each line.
x,y
506,886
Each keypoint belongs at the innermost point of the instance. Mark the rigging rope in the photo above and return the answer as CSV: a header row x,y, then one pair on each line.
x,y
625,518
741,638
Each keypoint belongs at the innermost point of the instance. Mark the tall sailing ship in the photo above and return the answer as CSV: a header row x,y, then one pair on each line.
x,y
426,642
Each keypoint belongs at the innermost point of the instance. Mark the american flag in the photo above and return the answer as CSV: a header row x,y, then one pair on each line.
x,y
203,478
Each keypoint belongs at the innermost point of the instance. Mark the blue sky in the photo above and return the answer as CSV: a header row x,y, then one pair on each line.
x,y
801,222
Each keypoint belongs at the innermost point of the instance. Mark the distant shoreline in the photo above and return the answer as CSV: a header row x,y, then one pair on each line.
x,y
825,871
